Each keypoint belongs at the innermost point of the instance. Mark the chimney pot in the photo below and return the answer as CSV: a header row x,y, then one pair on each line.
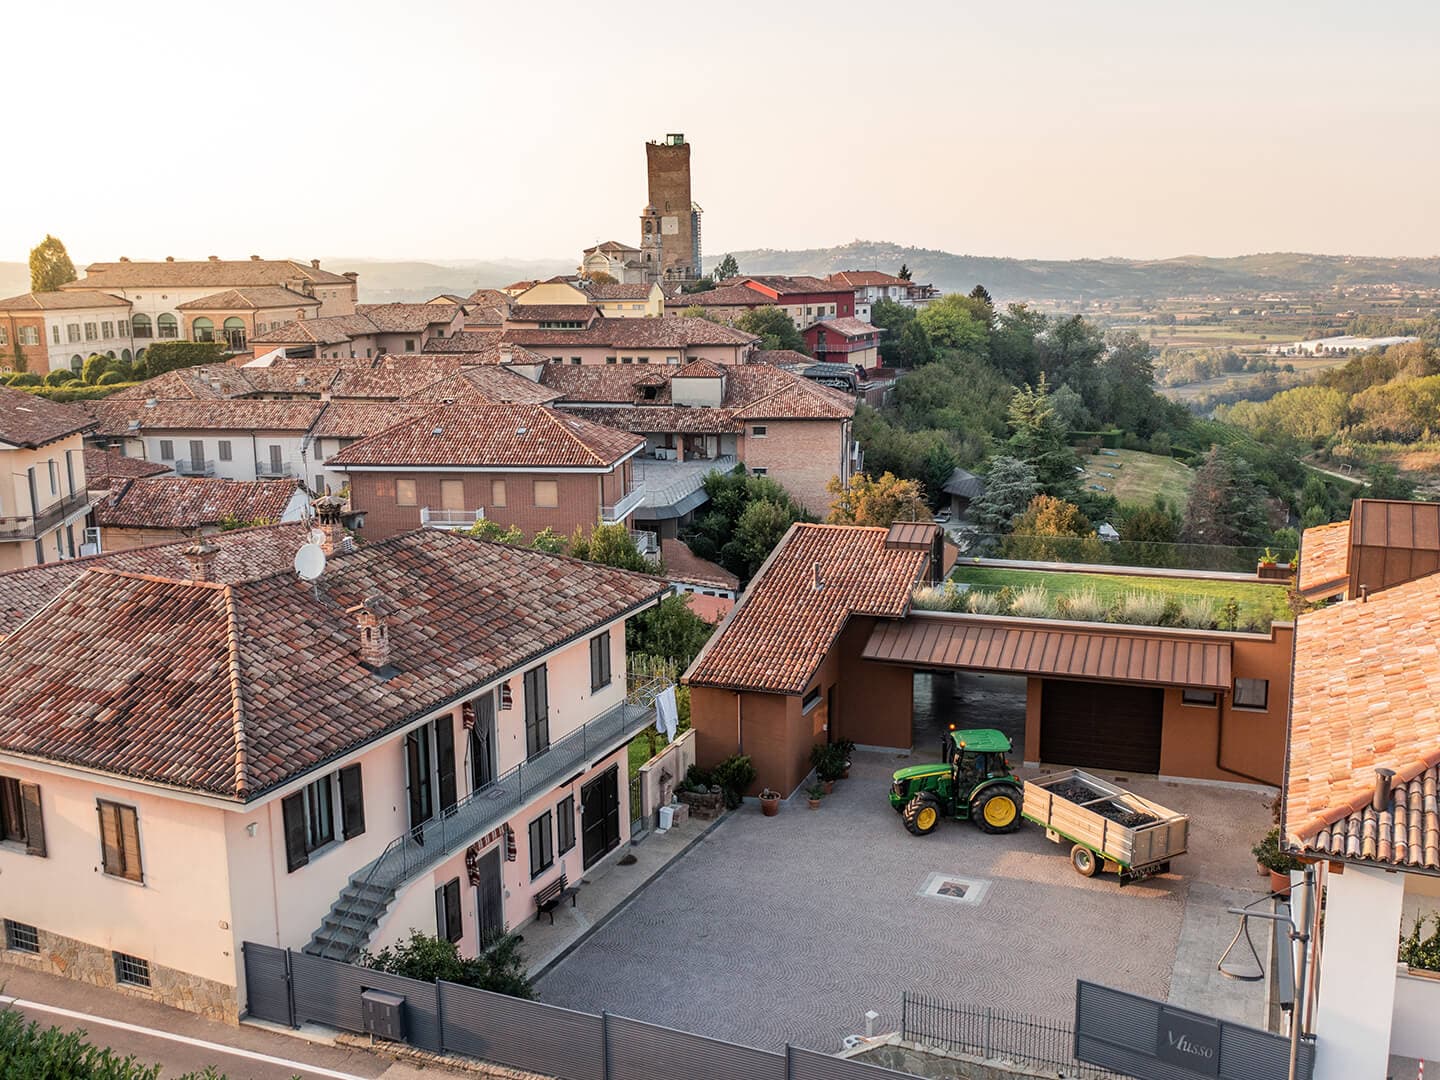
x,y
371,622
315,264
214,258
1364,594
201,556
169,258
1384,783
819,582
124,258
254,258
329,512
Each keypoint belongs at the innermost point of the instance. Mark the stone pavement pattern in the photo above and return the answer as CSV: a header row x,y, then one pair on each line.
x,y
788,929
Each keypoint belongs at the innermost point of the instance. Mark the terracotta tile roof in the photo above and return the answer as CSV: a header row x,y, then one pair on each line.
x,y
761,392
520,286
360,419
611,247
783,626
28,421
232,689
667,333
788,284
857,279
721,296
113,418
327,330
189,502
244,553
390,376
105,469
476,434
1366,695
682,564
1047,647
466,341
781,357
59,301
407,318
535,313
489,298
752,391
492,383
699,369
1324,560
848,327
254,298
657,419
206,381
620,291
613,383
219,273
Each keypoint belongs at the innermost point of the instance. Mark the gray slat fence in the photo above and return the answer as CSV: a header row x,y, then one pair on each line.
x,y
523,1034
267,982
808,1065
328,992
639,1051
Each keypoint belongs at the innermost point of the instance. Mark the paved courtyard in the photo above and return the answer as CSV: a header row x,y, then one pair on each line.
x,y
787,929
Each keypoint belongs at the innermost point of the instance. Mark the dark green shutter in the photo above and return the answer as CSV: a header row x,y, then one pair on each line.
x,y
293,811
453,930
445,760
352,801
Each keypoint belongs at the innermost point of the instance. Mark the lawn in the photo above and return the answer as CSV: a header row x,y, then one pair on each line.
x,y
1258,603
1139,477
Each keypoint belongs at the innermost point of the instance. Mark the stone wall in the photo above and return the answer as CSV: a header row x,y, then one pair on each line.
x,y
91,964
907,1057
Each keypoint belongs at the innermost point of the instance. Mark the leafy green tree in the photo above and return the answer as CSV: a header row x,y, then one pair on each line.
x,y
549,541
1226,505
93,368
1038,437
904,274
614,545
1048,531
17,357
1014,348
31,1052
905,342
1150,534
60,376
670,630
493,531
726,535
761,527
50,265
1070,409
704,284
956,322
1010,485
882,501
1387,483
697,311
727,268
500,969
1126,392
773,327
979,292
600,277
166,356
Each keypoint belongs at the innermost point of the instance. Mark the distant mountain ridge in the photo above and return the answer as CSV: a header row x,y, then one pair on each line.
x,y
1097,279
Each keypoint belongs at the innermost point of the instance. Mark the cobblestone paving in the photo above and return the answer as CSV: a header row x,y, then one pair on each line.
x,y
787,929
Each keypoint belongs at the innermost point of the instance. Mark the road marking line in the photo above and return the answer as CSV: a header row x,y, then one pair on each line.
x,y
230,1051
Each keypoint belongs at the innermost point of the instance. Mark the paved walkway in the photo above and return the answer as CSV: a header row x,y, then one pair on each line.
x,y
787,929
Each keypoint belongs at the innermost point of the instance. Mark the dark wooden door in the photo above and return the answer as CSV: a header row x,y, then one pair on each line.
x,y
600,810
418,784
1101,725
489,898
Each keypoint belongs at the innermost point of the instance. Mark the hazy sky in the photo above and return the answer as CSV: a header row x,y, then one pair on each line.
x,y
474,130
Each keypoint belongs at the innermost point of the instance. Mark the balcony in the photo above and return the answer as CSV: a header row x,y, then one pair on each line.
x,y
363,902
33,526
614,515
193,467
674,488
450,519
646,542
270,470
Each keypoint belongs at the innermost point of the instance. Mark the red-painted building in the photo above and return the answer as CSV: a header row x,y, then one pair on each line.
x,y
806,300
844,341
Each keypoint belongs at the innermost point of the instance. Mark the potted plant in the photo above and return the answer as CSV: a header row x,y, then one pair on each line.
x,y
1276,862
769,802
828,762
845,747
815,793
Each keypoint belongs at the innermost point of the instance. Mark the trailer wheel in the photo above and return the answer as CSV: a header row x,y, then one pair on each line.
x,y
922,814
997,810
1084,861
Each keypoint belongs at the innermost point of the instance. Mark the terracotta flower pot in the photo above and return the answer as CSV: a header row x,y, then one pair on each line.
x,y
829,787
814,803
770,803
1279,883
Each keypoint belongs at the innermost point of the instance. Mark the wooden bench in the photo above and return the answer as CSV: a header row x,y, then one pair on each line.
x,y
551,896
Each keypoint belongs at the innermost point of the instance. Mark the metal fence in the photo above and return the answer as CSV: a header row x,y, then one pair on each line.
x,y
993,1034
294,988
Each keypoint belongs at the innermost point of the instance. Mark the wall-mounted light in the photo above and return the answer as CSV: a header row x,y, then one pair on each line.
x,y
252,828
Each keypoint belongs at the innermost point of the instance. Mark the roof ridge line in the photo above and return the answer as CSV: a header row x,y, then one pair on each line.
x,y
237,694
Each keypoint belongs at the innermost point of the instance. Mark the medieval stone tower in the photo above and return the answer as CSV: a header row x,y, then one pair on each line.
x,y
670,222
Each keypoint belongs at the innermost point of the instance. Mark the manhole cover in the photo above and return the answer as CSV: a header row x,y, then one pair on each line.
x,y
956,889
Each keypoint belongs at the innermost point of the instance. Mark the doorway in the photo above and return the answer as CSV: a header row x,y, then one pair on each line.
x,y
482,743
489,898
419,789
600,810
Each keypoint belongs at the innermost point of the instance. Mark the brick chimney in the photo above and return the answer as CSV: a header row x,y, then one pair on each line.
x,y
370,620
314,264
201,557
329,514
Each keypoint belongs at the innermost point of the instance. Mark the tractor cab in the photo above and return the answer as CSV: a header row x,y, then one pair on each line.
x,y
973,780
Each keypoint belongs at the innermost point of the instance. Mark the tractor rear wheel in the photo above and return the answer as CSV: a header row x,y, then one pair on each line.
x,y
1084,860
922,814
997,810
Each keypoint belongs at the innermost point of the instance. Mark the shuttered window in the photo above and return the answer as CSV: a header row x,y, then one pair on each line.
x,y
447,911
537,712
542,848
309,817
565,824
120,840
352,801
21,820
600,661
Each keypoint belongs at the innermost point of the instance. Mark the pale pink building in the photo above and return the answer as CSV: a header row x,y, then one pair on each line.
x,y
409,742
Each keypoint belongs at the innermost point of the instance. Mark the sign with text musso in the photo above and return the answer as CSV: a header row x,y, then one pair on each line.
x,y
1154,1040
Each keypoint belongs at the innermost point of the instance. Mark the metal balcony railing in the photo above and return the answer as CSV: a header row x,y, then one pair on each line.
x,y
193,467
646,542
32,526
613,515
449,519
268,470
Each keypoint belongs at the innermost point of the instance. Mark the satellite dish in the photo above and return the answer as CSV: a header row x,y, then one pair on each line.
x,y
317,536
310,561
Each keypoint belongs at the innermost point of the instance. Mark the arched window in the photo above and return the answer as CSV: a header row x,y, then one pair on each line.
x,y
125,355
235,333
140,326
202,329
76,364
110,354
166,326
139,355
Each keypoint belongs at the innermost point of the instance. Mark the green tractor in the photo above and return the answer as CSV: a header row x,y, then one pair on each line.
x,y
974,781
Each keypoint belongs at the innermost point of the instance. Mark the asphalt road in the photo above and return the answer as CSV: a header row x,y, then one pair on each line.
x,y
182,1042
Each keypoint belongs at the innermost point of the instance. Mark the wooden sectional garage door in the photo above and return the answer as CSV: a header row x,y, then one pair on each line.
x,y
1101,725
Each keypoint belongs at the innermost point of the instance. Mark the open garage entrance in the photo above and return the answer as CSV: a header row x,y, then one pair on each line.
x,y
967,699
1101,725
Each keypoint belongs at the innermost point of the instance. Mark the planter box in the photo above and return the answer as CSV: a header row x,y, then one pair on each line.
x,y
705,807
1281,572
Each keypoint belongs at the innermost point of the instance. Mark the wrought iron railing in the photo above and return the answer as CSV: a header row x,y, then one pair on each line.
x,y
32,526
269,470
193,467
427,843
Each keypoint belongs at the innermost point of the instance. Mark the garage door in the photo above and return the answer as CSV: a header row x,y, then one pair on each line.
x,y
1101,725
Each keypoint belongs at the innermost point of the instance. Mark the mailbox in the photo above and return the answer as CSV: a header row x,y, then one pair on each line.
x,y
384,1014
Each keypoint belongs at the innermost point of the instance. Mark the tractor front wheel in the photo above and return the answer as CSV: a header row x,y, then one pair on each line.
x,y
922,814
1084,860
997,810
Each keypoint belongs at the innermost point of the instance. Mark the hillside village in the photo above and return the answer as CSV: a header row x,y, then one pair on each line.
x,y
605,639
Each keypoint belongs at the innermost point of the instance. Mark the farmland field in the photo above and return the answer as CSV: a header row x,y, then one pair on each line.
x,y
1136,477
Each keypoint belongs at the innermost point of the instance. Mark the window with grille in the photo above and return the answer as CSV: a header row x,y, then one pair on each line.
x,y
131,970
21,937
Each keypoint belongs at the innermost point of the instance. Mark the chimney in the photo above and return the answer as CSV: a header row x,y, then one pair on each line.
x,y
374,633
254,258
351,274
1380,800
1364,594
169,258
314,264
214,258
201,557
817,580
329,512
124,258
